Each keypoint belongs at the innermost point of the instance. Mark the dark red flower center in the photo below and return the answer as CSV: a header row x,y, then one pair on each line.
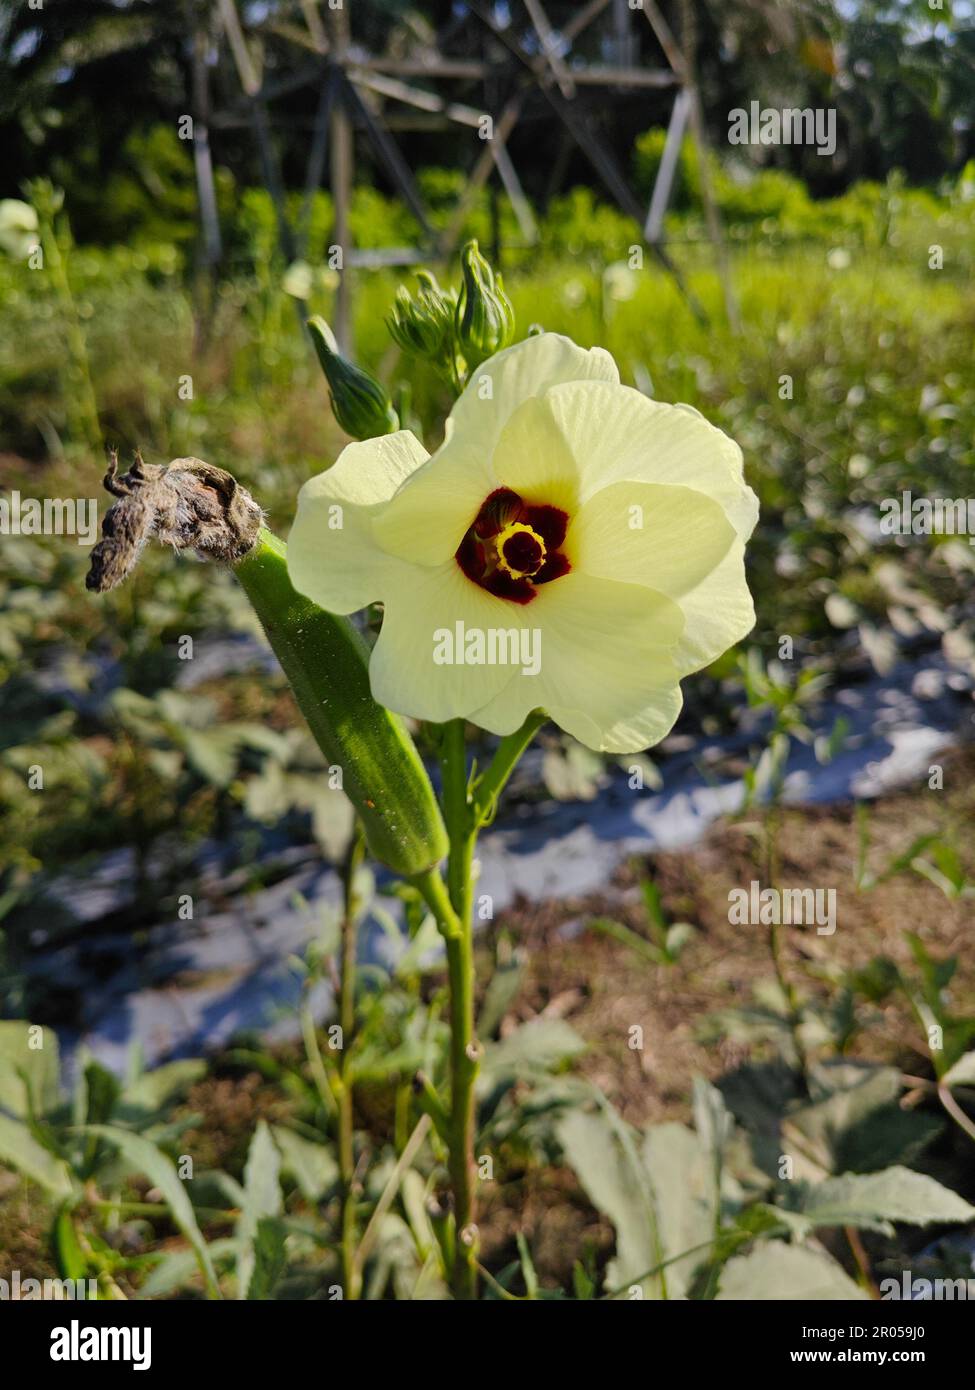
x,y
512,546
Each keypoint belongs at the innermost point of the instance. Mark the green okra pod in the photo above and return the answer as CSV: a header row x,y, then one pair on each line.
x,y
326,661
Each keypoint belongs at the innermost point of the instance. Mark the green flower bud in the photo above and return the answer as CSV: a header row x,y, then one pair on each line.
x,y
485,318
361,404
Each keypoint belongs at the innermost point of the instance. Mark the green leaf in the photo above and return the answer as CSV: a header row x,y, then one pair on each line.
x,y
775,1271
683,1177
373,1062
583,1285
20,1150
29,1075
527,1267
654,907
768,774
947,871
624,934
68,1254
262,1198
875,1200
102,1090
413,1194
154,1090
817,1132
536,1047
332,820
175,1269
876,980
573,774
313,1166
269,1258
422,953
619,1190
499,996
935,974
679,935
889,1136
713,1121
142,1156
212,753
827,746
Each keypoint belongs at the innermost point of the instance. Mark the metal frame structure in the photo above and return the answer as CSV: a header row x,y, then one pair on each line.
x,y
349,80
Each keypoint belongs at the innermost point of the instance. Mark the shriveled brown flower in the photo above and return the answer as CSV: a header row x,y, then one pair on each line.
x,y
187,503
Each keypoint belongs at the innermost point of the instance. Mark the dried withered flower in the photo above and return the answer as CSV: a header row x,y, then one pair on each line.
x,y
187,503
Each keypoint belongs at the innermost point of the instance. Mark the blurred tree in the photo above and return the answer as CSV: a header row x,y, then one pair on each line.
x,y
75,80
87,87
900,73
910,89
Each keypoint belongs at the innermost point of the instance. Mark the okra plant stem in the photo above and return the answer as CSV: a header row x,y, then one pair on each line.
x,y
351,1276
466,808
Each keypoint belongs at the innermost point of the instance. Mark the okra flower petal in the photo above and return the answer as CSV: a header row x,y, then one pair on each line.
x,y
626,698
620,435
688,536
332,556
436,597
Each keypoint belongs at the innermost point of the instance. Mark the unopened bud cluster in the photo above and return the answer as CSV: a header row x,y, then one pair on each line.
x,y
423,323
454,330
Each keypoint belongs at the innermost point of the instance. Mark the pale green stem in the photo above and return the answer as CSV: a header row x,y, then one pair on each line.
x,y
465,812
464,1050
351,1269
